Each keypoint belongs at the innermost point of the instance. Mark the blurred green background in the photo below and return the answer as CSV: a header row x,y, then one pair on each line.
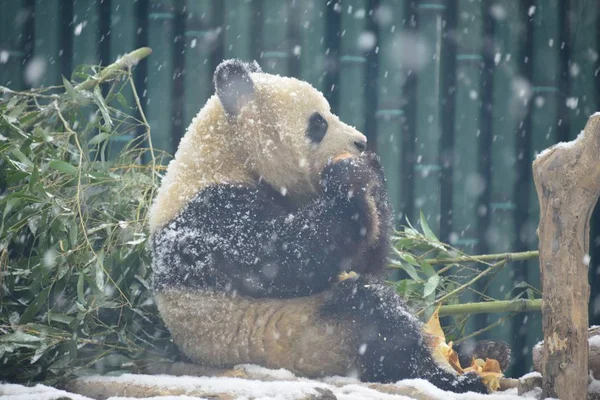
x,y
457,96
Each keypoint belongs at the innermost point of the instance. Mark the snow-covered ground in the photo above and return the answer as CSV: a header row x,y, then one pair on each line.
x,y
274,385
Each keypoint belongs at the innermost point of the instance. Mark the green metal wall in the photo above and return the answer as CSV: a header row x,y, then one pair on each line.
x,y
457,96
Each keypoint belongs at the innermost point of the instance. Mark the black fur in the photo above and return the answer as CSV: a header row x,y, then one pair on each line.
x,y
248,240
317,128
234,85
498,350
388,339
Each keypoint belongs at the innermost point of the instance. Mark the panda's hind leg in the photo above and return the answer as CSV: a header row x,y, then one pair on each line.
x,y
387,338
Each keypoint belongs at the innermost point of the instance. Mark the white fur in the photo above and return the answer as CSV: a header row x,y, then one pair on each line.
x,y
221,330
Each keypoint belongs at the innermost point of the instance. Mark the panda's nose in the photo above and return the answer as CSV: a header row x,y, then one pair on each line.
x,y
361,145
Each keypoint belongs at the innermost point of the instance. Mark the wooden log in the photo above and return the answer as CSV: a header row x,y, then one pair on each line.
x,y
567,181
594,357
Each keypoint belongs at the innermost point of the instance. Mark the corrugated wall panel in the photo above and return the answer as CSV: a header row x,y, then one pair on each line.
x,y
85,28
311,48
44,69
275,48
13,17
582,64
507,109
467,181
158,97
200,40
390,115
352,63
122,28
121,40
236,28
427,64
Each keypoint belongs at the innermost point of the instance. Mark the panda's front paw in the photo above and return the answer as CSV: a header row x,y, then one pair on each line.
x,y
349,177
374,162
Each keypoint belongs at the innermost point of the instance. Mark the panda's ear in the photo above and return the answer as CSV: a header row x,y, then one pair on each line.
x,y
254,67
234,85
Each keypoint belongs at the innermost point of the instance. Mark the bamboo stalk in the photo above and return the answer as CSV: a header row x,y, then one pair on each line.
x,y
127,61
525,255
521,305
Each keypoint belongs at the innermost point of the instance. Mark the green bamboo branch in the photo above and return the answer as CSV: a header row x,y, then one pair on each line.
x,y
471,282
520,305
483,330
525,255
126,62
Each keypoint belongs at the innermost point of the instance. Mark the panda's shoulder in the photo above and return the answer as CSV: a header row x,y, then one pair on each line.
x,y
220,200
227,191
234,193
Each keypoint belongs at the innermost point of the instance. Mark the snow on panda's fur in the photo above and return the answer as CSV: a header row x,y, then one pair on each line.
x,y
255,219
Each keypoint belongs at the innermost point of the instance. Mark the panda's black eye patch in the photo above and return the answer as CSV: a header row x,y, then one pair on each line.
x,y
317,128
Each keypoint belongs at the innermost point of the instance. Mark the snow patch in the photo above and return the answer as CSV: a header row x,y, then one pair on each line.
x,y
533,374
37,392
243,388
594,341
561,145
594,386
257,370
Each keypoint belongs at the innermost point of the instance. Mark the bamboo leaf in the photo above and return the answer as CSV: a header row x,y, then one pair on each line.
x,y
122,100
409,269
426,230
80,293
22,157
58,317
427,268
102,136
63,167
69,88
99,99
431,284
35,306
409,258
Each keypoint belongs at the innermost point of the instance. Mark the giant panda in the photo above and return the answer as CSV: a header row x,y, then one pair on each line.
x,y
269,198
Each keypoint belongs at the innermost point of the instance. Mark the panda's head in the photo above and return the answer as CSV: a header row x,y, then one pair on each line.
x,y
282,126
257,128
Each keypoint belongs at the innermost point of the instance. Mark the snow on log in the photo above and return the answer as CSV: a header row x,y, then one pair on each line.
x,y
567,181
